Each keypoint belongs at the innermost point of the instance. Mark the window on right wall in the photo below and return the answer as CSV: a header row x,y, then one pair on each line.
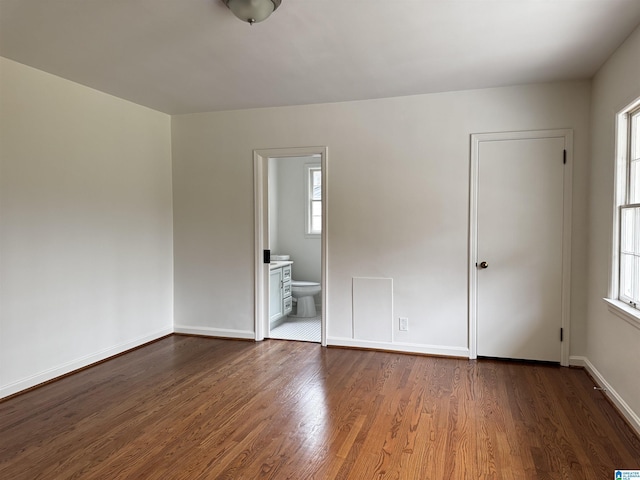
x,y
625,282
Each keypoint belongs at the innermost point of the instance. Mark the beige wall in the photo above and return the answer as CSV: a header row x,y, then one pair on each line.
x,y
397,204
85,226
613,346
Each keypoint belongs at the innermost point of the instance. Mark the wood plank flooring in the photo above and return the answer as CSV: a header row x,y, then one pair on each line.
x,y
197,408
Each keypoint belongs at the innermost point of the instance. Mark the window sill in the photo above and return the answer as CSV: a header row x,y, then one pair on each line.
x,y
625,312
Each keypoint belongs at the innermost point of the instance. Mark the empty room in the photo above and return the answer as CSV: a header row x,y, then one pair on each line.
x,y
320,239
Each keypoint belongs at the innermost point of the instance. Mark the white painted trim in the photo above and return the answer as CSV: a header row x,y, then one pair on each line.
x,y
261,241
215,332
566,248
619,194
577,361
261,216
473,249
79,363
476,139
324,161
631,416
461,352
628,314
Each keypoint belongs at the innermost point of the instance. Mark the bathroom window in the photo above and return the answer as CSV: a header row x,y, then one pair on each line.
x,y
313,182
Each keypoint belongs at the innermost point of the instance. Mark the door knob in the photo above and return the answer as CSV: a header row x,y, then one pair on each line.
x,y
483,265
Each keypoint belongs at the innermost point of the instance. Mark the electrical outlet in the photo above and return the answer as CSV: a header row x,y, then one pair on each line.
x,y
404,324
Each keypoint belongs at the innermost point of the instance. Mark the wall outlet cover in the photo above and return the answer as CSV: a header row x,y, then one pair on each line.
x,y
404,324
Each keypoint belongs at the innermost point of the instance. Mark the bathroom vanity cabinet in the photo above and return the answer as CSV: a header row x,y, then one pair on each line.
x,y
280,301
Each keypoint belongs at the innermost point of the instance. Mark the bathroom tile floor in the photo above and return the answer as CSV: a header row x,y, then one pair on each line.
x,y
301,329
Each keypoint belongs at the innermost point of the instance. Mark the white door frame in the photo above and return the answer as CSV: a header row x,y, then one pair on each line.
x,y
261,205
476,139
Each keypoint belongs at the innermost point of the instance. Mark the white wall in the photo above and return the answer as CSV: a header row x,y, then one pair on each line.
x,y
397,204
613,346
85,226
305,251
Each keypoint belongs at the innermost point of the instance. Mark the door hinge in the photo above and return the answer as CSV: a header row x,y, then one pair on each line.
x,y
564,157
562,334
266,256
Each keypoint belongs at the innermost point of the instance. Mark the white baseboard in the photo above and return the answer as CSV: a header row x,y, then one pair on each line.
x,y
215,332
78,363
618,401
400,347
577,361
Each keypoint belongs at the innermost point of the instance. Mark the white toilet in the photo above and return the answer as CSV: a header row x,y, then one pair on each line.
x,y
303,292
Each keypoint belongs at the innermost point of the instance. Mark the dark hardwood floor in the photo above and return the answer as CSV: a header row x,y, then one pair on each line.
x,y
196,408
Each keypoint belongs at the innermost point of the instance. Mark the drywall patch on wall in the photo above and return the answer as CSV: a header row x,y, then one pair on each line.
x,y
373,309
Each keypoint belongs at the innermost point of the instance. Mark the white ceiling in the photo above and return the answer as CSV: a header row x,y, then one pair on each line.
x,y
182,56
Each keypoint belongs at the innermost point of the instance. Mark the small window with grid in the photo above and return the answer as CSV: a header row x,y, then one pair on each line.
x,y
314,199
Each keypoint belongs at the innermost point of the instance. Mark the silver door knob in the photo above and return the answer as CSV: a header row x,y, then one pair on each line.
x,y
483,265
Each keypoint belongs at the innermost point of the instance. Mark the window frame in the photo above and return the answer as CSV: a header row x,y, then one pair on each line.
x,y
309,169
619,304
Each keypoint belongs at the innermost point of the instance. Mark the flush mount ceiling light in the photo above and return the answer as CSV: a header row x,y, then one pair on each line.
x,y
252,11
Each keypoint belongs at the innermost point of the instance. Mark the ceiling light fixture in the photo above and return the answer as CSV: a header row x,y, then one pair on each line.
x,y
252,11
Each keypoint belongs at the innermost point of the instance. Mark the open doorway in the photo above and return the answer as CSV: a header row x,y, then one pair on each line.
x,y
295,230
290,207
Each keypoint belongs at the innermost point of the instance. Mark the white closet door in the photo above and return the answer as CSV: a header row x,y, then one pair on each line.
x,y
520,225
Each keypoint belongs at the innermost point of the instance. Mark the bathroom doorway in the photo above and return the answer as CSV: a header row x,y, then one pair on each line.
x,y
290,209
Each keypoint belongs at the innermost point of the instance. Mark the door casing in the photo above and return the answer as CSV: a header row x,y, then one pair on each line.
x,y
476,140
261,216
